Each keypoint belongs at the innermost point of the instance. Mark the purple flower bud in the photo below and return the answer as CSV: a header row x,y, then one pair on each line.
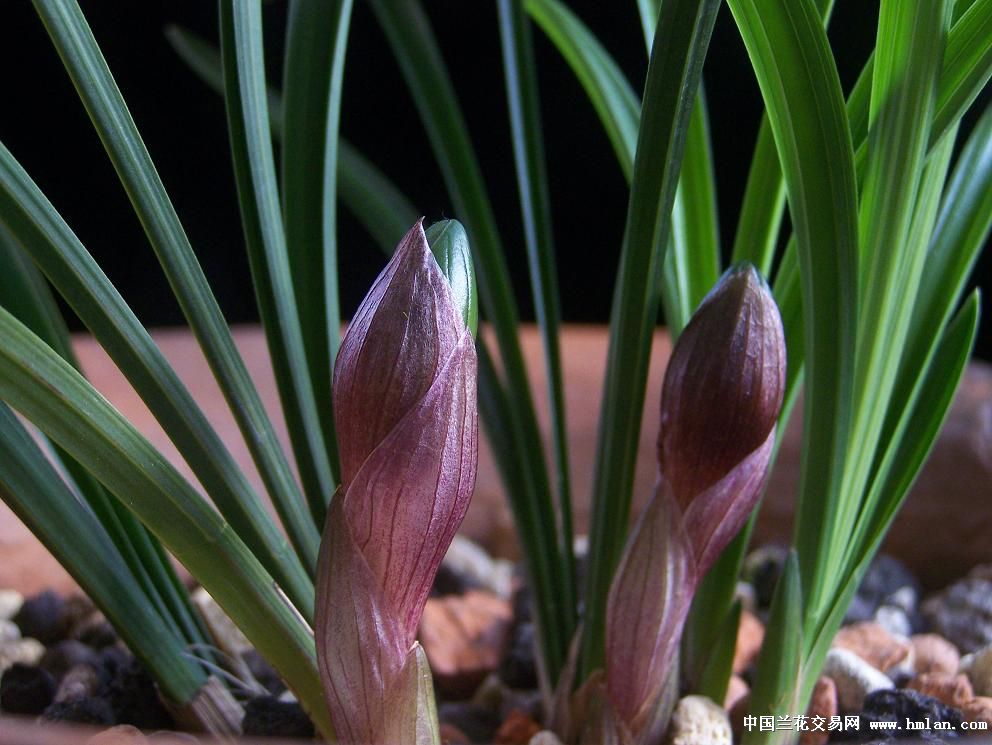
x,y
724,385
405,411
721,399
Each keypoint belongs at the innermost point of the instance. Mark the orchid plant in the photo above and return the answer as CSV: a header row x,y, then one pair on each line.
x,y
867,306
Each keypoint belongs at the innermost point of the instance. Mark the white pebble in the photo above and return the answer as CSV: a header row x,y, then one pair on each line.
x,y
979,670
545,737
470,560
698,721
10,602
20,651
9,632
853,677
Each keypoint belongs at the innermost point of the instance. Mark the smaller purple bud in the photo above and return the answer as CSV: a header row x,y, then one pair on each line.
x,y
724,385
721,399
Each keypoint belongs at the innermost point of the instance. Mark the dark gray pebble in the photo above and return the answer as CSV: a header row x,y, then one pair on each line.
x,y
92,710
67,654
900,705
518,668
134,698
26,690
888,582
962,614
762,568
263,672
43,617
450,581
97,635
479,723
267,716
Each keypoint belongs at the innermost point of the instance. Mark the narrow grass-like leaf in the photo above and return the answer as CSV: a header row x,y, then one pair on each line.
x,y
316,39
932,406
609,92
714,677
965,69
27,295
51,394
254,169
532,181
383,210
917,352
925,417
648,11
904,87
103,101
32,488
775,691
409,33
931,409
66,263
695,234
763,205
764,195
966,66
679,47
692,267
806,112
957,241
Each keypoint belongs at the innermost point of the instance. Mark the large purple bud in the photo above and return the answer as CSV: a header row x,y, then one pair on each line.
x,y
406,417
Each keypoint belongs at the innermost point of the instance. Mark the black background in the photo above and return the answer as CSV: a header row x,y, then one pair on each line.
x,y
183,124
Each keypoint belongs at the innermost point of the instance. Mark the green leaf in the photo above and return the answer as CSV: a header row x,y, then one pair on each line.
x,y
50,393
520,72
957,241
693,265
609,92
365,190
409,34
904,87
95,85
649,10
715,675
906,458
316,39
254,169
679,48
966,67
26,294
695,254
33,221
29,298
37,495
763,205
800,86
775,690
917,430
764,195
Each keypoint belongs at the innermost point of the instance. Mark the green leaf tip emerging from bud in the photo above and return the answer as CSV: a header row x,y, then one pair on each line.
x,y
449,244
